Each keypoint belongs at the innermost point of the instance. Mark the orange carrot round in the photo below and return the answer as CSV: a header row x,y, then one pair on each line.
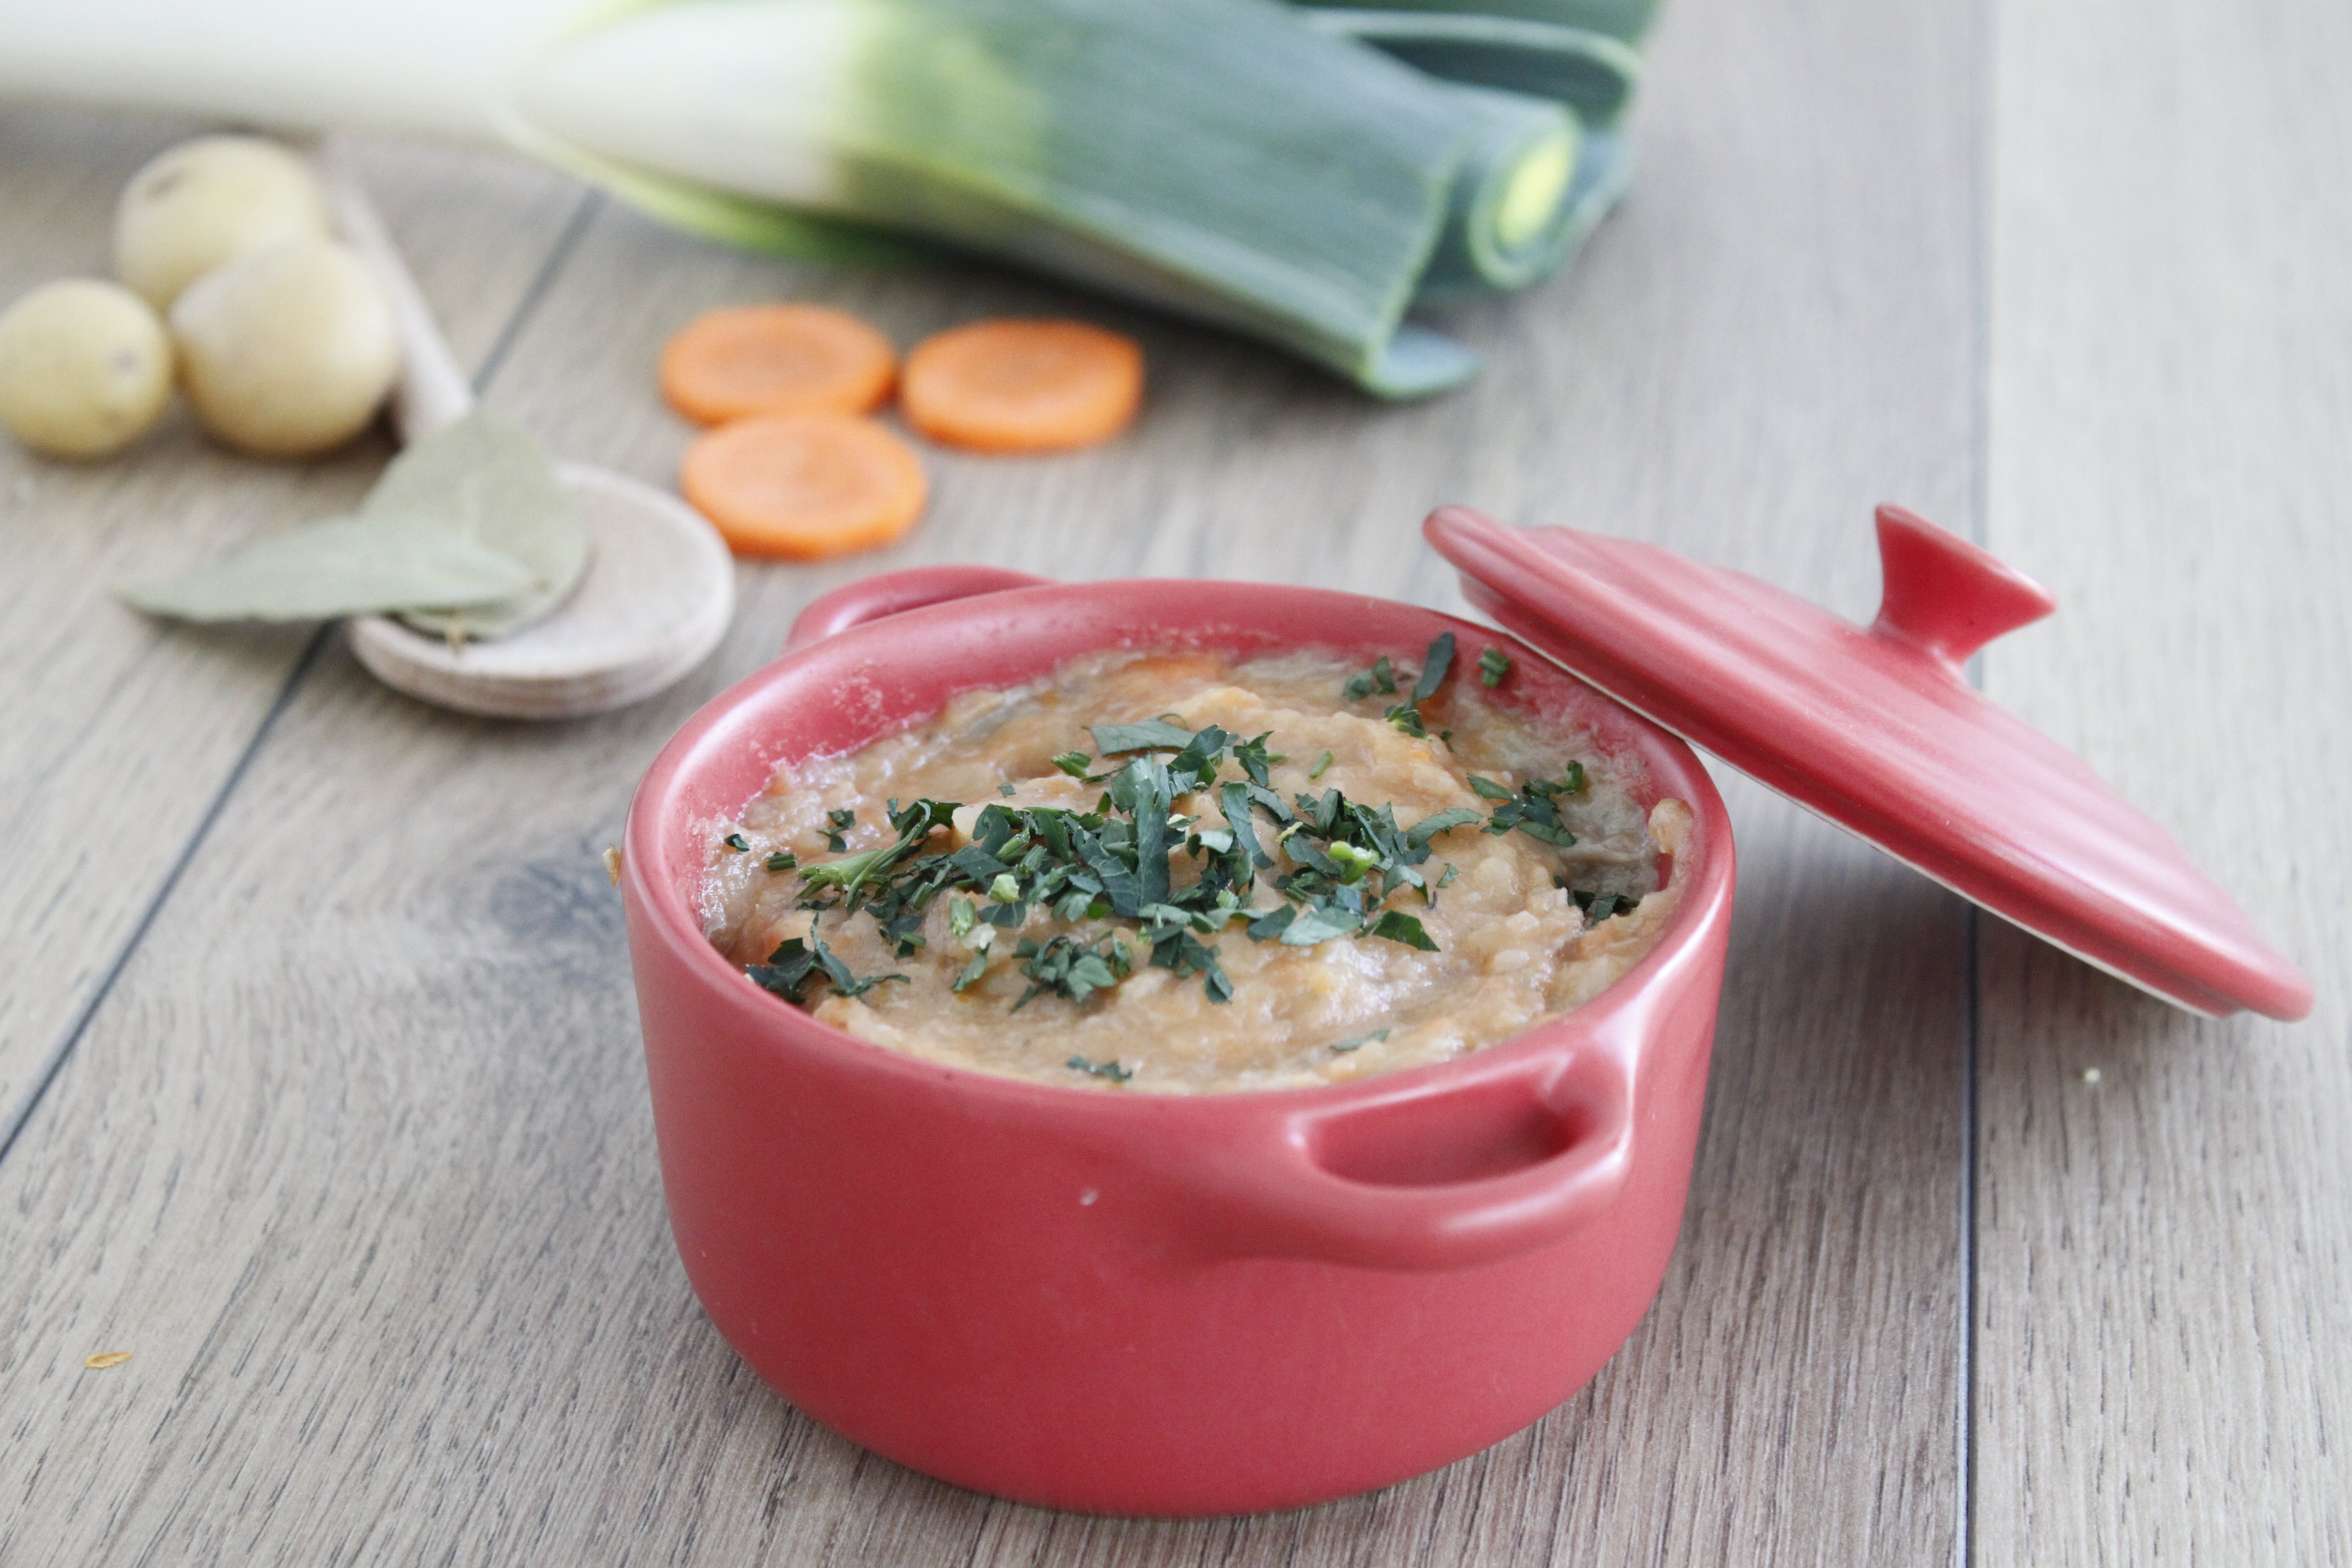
x,y
776,359
805,485
1024,386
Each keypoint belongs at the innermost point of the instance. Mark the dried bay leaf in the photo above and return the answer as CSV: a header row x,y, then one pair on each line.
x,y
344,566
486,478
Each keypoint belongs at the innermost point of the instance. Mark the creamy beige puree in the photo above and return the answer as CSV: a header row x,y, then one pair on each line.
x,y
1518,926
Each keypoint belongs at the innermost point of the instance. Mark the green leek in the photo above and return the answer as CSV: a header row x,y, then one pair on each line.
x,y
1222,159
1212,157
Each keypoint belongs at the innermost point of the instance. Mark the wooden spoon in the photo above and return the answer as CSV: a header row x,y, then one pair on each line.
x,y
660,585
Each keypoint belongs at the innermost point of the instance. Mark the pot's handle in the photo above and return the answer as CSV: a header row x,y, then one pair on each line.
x,y
871,598
1469,1174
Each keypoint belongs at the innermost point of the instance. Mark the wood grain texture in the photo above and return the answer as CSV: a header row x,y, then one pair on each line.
x,y
2164,1304
355,1157
121,731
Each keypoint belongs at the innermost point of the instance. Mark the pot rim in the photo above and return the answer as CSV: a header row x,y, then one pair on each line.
x,y
655,822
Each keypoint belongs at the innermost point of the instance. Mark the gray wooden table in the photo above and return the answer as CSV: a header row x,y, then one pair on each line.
x,y
320,1086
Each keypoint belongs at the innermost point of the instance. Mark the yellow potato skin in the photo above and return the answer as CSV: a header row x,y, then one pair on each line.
x,y
207,202
286,352
85,368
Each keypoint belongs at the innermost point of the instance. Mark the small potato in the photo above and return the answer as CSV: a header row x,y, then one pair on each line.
x,y
287,351
85,368
207,202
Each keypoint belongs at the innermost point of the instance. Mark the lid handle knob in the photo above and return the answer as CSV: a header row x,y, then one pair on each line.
x,y
1946,595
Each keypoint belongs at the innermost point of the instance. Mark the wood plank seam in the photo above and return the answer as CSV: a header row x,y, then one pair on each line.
x,y
14,1119
79,1023
1983,59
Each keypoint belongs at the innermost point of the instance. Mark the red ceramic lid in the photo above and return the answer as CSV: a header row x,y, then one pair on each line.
x,y
1878,729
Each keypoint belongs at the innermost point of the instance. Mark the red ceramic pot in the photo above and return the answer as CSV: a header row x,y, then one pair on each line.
x,y
1149,1304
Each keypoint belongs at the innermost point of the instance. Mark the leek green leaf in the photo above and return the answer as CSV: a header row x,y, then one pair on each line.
x,y
1624,20
345,566
485,479
1590,71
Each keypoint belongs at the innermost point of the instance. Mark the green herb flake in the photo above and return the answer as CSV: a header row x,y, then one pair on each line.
x,y
736,842
1398,926
1492,665
1439,659
1341,1048
794,965
1151,736
1322,765
1111,1071
1430,826
1599,907
783,860
1074,763
1380,678
837,823
1435,663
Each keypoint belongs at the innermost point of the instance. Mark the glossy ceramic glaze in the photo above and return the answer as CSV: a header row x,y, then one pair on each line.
x,y
1877,729
1152,1304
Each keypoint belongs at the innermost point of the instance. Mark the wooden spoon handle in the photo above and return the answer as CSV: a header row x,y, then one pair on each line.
x,y
434,389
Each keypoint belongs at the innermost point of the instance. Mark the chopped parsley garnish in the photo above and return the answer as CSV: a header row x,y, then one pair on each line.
x,y
1398,926
1070,967
1530,807
1379,677
1492,665
736,842
1343,1046
1110,1069
1342,862
1406,715
783,860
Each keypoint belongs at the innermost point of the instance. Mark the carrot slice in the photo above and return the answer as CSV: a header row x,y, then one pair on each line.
x,y
1024,386
776,359
805,485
